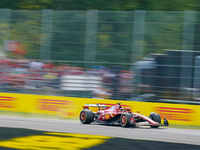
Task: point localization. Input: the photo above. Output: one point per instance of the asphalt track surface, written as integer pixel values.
(164, 134)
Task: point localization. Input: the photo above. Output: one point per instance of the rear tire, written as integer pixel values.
(155, 117)
(86, 116)
(125, 120)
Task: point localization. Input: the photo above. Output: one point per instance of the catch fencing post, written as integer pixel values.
(187, 58)
(90, 38)
(5, 18)
(188, 30)
(138, 35)
(46, 34)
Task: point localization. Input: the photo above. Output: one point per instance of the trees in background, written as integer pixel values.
(114, 5)
(114, 35)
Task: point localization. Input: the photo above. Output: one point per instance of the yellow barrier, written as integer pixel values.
(70, 107)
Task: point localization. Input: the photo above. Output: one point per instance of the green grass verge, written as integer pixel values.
(23, 114)
(184, 126)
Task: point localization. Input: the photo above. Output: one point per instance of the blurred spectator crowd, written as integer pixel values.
(45, 75)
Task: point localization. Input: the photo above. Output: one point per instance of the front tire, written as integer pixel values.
(155, 117)
(86, 116)
(125, 120)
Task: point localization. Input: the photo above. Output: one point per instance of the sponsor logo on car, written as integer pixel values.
(171, 113)
(107, 116)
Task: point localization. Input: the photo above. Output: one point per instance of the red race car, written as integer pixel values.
(117, 115)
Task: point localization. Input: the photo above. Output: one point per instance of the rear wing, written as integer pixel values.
(94, 105)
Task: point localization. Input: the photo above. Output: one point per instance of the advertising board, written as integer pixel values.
(70, 107)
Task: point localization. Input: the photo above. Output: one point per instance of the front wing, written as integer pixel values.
(152, 123)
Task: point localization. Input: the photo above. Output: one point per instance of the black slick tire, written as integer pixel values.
(155, 117)
(86, 116)
(125, 120)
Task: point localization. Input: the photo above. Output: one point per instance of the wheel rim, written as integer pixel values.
(83, 116)
(123, 120)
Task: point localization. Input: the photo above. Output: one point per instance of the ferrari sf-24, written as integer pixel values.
(117, 115)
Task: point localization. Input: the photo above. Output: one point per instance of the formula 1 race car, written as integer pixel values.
(118, 115)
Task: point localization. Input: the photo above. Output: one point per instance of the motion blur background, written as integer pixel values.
(124, 50)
